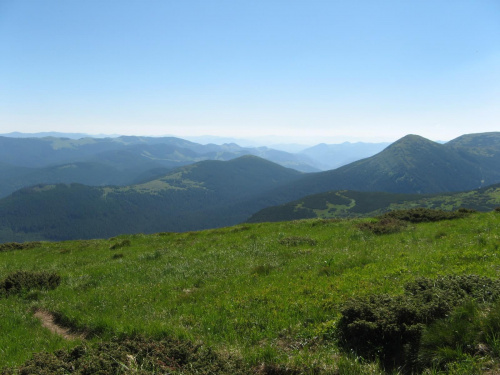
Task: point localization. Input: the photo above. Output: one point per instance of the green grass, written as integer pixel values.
(268, 293)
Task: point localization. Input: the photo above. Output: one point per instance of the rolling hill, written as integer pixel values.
(197, 196)
(114, 161)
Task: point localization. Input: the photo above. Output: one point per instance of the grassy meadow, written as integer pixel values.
(268, 295)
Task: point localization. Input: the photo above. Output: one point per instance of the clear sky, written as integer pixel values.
(331, 70)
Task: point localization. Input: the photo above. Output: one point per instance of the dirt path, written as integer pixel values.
(48, 322)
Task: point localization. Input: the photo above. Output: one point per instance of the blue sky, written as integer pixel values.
(306, 71)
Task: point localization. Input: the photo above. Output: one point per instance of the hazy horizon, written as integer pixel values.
(306, 71)
(287, 143)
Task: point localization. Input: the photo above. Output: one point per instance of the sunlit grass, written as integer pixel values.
(264, 291)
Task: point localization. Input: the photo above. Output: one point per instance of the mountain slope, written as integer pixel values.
(121, 160)
(188, 198)
(218, 193)
(348, 203)
(410, 165)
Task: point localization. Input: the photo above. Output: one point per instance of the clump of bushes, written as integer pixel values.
(18, 246)
(297, 240)
(421, 215)
(21, 281)
(383, 226)
(390, 328)
(394, 221)
(132, 355)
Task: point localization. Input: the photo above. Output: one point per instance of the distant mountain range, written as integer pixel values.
(217, 193)
(29, 159)
(114, 161)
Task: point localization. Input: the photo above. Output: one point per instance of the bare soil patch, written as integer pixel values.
(48, 321)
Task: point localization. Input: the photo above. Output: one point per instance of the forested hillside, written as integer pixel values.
(123, 160)
(192, 197)
(350, 204)
(411, 165)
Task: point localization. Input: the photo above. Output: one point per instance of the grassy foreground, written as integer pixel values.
(266, 294)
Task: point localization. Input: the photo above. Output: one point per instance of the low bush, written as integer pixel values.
(395, 221)
(382, 327)
(389, 328)
(383, 226)
(451, 291)
(18, 246)
(21, 281)
(420, 215)
(132, 355)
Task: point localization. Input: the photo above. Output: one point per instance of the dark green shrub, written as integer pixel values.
(421, 215)
(21, 281)
(450, 291)
(497, 209)
(383, 226)
(135, 355)
(394, 221)
(381, 327)
(390, 327)
(18, 246)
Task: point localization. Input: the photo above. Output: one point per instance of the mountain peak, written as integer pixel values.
(412, 142)
(413, 138)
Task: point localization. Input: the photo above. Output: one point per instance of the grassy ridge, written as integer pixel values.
(268, 293)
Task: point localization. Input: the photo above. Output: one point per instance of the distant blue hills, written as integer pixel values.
(173, 191)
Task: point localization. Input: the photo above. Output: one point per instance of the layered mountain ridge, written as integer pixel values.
(214, 193)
